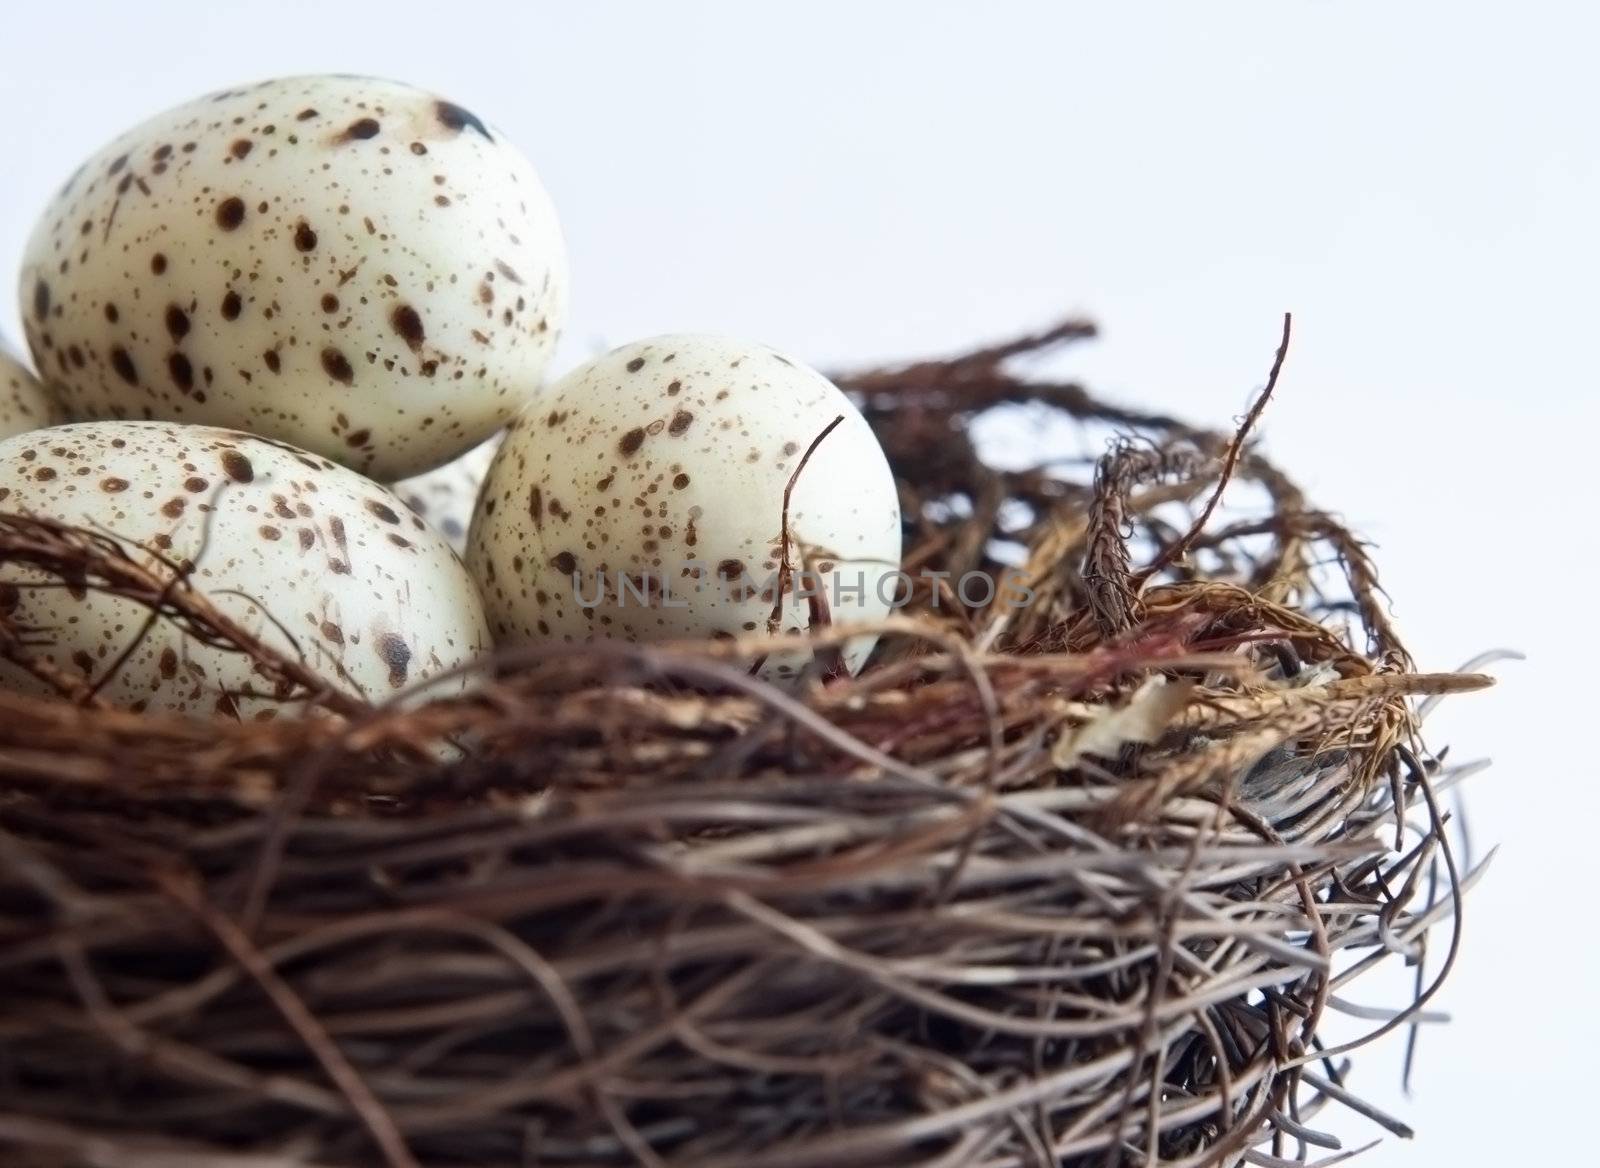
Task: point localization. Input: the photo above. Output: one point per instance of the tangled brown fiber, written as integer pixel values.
(1072, 882)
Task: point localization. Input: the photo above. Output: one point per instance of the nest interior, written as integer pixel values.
(1070, 882)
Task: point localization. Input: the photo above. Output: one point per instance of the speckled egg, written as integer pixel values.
(310, 556)
(642, 498)
(446, 495)
(25, 404)
(354, 266)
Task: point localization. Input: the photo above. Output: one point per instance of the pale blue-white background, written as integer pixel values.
(1418, 181)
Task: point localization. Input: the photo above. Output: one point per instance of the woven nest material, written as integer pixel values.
(1072, 882)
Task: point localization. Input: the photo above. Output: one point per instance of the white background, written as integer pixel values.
(1418, 182)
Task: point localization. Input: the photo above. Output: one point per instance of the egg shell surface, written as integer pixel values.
(446, 495)
(307, 555)
(360, 268)
(25, 404)
(667, 461)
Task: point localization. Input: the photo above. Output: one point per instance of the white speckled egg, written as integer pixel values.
(658, 470)
(446, 495)
(351, 265)
(24, 403)
(287, 543)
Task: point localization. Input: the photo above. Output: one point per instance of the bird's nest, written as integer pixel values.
(1077, 881)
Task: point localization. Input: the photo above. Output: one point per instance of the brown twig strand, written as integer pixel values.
(1230, 459)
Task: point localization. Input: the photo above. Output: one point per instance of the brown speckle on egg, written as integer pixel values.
(408, 323)
(337, 366)
(230, 213)
(457, 118)
(181, 371)
(123, 364)
(361, 129)
(396, 655)
(238, 467)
